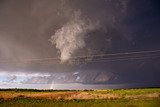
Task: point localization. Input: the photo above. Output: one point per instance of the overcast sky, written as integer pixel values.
(38, 39)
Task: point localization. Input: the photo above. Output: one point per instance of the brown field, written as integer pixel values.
(80, 98)
(82, 95)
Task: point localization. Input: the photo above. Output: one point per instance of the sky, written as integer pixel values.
(112, 43)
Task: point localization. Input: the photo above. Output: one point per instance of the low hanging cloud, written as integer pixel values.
(70, 37)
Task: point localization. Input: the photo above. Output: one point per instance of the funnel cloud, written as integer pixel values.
(71, 36)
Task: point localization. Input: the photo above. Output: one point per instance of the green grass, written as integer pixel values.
(26, 102)
(19, 98)
(129, 91)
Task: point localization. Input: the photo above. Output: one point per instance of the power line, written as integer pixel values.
(120, 58)
(124, 59)
(115, 54)
(89, 58)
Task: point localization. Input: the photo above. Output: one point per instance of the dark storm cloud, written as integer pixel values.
(27, 25)
(31, 23)
(124, 25)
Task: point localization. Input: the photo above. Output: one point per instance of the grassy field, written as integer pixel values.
(149, 97)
